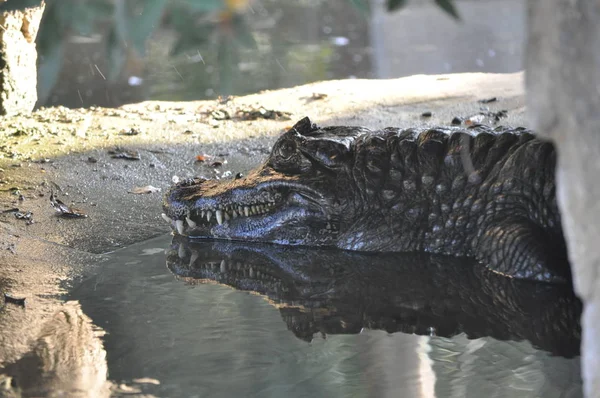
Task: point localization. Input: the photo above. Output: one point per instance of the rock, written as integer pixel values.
(18, 56)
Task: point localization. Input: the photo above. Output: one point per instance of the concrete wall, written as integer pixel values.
(563, 98)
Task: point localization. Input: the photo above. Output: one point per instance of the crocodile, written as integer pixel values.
(481, 192)
(326, 291)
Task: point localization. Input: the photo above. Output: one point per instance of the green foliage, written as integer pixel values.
(13, 5)
(129, 24)
(202, 5)
(50, 67)
(448, 6)
(115, 52)
(393, 5)
(199, 30)
(361, 5)
(136, 28)
(50, 47)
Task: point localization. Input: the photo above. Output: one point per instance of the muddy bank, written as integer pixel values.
(92, 159)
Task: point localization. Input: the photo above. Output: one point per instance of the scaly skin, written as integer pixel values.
(483, 193)
(339, 292)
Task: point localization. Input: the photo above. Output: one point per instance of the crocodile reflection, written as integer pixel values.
(335, 292)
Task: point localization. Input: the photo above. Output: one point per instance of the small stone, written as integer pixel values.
(456, 121)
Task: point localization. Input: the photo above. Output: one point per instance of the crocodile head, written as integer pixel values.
(290, 199)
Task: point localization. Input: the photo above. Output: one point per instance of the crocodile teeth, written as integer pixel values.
(225, 213)
(191, 222)
(223, 267)
(180, 227)
(166, 218)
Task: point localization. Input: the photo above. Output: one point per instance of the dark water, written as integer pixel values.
(328, 324)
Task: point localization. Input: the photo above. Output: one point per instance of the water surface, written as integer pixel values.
(327, 324)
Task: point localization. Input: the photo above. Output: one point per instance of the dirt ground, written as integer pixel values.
(80, 157)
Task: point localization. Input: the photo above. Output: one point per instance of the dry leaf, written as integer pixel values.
(143, 190)
(65, 210)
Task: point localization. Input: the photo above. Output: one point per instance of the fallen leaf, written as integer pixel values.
(13, 210)
(220, 114)
(65, 210)
(315, 97)
(23, 216)
(124, 388)
(131, 131)
(147, 380)
(144, 190)
(14, 300)
(120, 153)
(475, 119)
(224, 99)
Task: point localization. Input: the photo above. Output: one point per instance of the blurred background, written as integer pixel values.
(112, 52)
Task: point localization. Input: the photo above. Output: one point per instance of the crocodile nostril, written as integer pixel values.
(192, 181)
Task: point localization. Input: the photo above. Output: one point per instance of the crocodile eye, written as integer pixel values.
(287, 150)
(288, 158)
